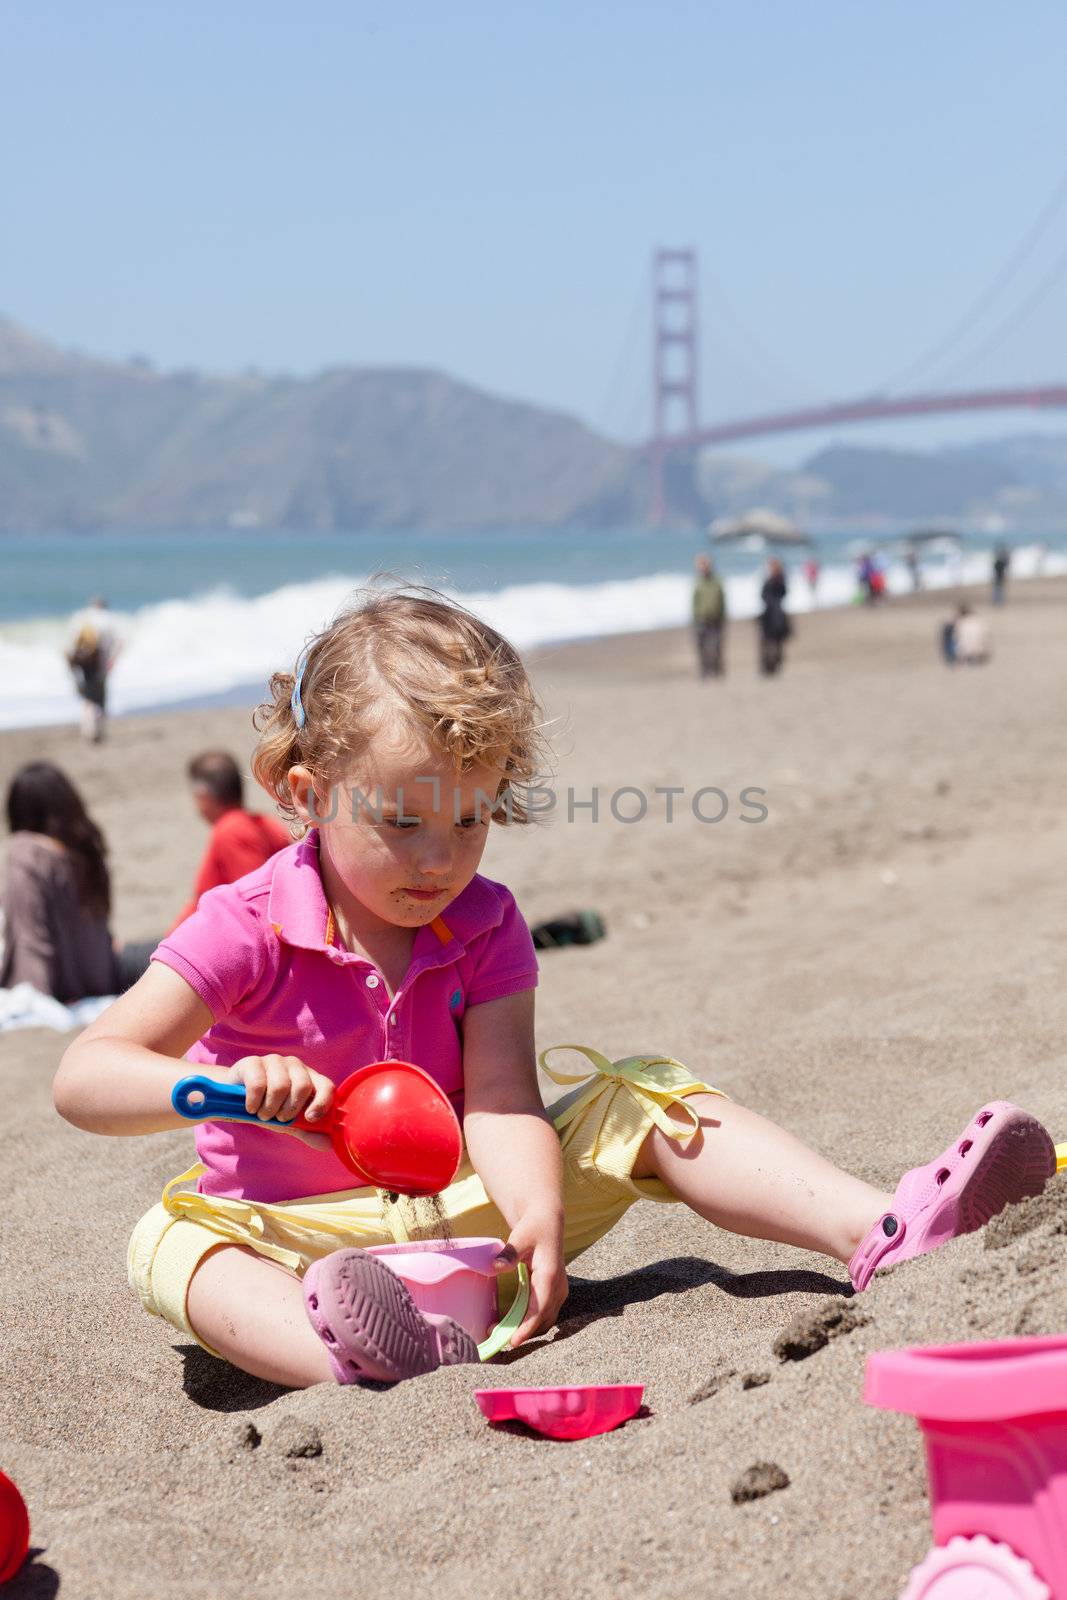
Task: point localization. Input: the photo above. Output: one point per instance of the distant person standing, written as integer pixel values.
(1001, 564)
(864, 573)
(911, 561)
(871, 579)
(93, 651)
(811, 572)
(773, 621)
(240, 840)
(709, 618)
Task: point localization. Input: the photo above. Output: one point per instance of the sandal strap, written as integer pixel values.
(886, 1236)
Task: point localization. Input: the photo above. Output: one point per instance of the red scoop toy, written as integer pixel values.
(14, 1529)
(389, 1122)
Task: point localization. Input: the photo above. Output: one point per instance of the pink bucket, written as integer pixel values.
(456, 1278)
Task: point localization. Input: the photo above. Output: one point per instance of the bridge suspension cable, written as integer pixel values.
(753, 353)
(1014, 320)
(623, 409)
(959, 331)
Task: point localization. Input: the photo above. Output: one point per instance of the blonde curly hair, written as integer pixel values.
(408, 649)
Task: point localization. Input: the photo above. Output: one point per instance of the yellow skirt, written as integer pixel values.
(602, 1119)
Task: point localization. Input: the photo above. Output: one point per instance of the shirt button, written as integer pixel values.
(373, 981)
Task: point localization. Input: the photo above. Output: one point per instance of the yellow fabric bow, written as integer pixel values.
(656, 1083)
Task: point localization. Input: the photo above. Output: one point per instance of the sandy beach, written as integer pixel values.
(868, 964)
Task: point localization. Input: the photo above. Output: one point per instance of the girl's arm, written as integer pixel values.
(514, 1147)
(117, 1076)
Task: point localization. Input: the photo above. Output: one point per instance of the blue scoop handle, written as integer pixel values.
(213, 1099)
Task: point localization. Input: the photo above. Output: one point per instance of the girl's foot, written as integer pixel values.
(371, 1326)
(1002, 1156)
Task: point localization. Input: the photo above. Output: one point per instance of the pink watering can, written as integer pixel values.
(994, 1416)
(457, 1278)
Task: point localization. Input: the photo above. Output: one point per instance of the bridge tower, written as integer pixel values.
(675, 362)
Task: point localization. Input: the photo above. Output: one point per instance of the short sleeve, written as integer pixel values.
(220, 951)
(506, 963)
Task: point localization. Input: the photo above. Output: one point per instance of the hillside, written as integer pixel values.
(1017, 483)
(105, 445)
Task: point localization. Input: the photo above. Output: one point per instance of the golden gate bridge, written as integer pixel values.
(677, 429)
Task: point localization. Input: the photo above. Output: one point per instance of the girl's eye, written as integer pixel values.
(407, 823)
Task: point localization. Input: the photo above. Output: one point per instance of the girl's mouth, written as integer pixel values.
(425, 894)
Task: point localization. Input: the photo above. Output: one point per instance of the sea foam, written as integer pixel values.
(180, 650)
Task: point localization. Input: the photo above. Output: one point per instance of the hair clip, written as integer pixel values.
(296, 705)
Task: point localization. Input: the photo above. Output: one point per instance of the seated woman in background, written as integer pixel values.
(57, 892)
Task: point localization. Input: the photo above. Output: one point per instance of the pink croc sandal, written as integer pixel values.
(1002, 1156)
(371, 1326)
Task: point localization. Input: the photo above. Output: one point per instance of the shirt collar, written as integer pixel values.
(297, 909)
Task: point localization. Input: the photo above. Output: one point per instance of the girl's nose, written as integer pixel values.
(435, 858)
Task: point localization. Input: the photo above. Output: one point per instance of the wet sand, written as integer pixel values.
(867, 965)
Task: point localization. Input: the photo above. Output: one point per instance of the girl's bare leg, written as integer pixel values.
(251, 1311)
(745, 1174)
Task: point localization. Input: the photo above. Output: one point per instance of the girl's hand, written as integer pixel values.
(281, 1088)
(537, 1239)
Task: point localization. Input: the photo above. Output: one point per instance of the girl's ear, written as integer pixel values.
(307, 802)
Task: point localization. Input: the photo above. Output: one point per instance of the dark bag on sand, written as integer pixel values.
(579, 927)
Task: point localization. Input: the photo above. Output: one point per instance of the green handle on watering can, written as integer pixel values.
(501, 1334)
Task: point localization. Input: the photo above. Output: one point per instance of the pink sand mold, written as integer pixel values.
(14, 1529)
(1002, 1156)
(994, 1417)
(576, 1412)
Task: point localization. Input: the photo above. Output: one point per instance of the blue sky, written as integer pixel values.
(478, 187)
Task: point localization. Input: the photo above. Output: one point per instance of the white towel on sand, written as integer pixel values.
(26, 1007)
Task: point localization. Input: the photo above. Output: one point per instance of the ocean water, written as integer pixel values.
(206, 615)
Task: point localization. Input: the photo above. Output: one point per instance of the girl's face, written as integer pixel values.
(403, 832)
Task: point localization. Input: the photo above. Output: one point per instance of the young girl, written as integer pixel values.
(408, 728)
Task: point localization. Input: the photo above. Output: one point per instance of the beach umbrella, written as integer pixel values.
(760, 526)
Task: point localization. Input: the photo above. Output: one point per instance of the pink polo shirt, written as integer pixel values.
(255, 953)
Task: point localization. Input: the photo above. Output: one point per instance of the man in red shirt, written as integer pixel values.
(240, 840)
